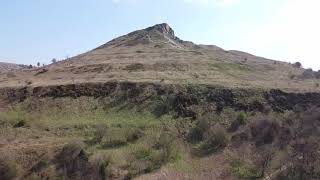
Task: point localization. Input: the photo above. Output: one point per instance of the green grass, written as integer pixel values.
(126, 118)
(244, 170)
(229, 67)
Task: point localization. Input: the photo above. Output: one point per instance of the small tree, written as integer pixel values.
(297, 65)
(54, 60)
(38, 64)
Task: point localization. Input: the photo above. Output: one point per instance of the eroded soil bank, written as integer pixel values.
(184, 100)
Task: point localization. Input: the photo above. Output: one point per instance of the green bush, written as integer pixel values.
(197, 133)
(153, 157)
(8, 169)
(242, 118)
(215, 139)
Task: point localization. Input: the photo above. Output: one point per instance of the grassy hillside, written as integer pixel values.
(156, 55)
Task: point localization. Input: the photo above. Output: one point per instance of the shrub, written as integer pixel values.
(149, 158)
(308, 74)
(297, 65)
(20, 123)
(72, 160)
(264, 131)
(8, 169)
(215, 139)
(100, 163)
(160, 108)
(133, 135)
(100, 132)
(165, 143)
(71, 151)
(241, 120)
(197, 133)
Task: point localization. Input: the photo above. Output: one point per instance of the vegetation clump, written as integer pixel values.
(216, 139)
(239, 121)
(297, 65)
(197, 133)
(8, 168)
(264, 131)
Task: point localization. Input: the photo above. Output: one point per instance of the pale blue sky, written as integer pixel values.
(39, 30)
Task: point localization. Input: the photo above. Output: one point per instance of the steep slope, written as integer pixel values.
(155, 54)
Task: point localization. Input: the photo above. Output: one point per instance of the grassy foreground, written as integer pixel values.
(88, 138)
(118, 142)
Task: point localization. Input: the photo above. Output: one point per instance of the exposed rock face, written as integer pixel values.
(154, 34)
(164, 29)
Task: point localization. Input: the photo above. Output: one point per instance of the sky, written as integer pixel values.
(34, 31)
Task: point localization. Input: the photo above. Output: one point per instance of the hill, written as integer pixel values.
(7, 67)
(155, 54)
(149, 105)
